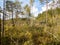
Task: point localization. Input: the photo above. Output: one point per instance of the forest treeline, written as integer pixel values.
(41, 33)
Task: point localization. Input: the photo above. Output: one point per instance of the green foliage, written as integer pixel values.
(41, 33)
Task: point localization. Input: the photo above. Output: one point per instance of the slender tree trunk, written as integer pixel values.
(12, 18)
(3, 19)
(46, 10)
(0, 27)
(52, 28)
(46, 16)
(16, 16)
(31, 19)
(17, 7)
(2, 30)
(0, 23)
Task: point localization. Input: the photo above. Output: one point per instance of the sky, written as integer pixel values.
(36, 8)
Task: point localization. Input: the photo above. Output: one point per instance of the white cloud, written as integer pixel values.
(34, 11)
(50, 5)
(44, 7)
(1, 15)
